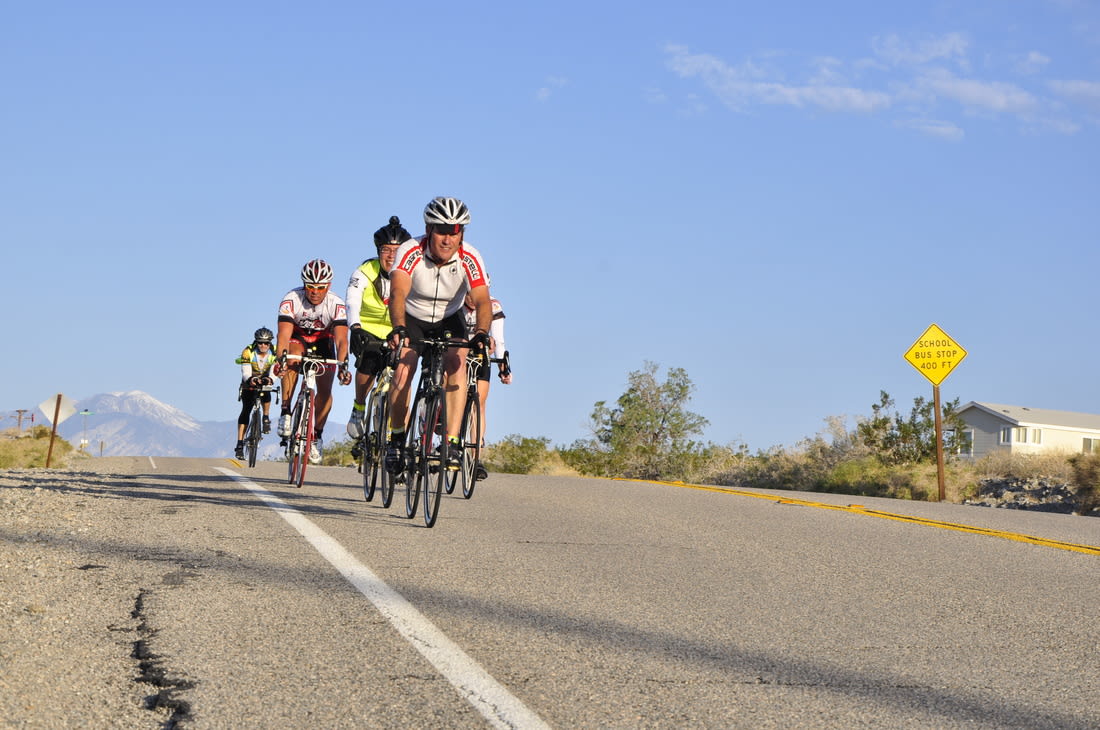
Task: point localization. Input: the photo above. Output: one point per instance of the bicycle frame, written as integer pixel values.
(300, 440)
(253, 434)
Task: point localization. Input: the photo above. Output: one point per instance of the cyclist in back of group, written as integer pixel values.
(256, 362)
(369, 316)
(312, 319)
(428, 284)
(498, 350)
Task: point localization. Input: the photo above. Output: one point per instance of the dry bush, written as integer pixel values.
(28, 449)
(1003, 464)
(1086, 477)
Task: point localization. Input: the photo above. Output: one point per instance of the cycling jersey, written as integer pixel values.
(496, 329)
(312, 323)
(254, 363)
(368, 297)
(437, 290)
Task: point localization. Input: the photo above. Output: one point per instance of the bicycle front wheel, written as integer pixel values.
(471, 444)
(379, 422)
(252, 438)
(433, 469)
(413, 457)
(293, 447)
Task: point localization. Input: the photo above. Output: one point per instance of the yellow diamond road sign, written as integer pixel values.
(935, 354)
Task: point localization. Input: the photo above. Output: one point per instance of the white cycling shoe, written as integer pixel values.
(284, 425)
(315, 451)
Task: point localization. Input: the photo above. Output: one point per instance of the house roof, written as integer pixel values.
(1024, 416)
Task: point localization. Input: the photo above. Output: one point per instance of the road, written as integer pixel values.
(574, 602)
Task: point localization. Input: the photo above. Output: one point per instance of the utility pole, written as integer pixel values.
(19, 416)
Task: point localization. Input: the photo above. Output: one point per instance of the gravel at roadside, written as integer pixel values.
(68, 619)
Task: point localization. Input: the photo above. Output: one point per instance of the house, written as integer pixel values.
(1022, 430)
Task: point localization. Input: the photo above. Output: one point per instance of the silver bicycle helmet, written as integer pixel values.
(446, 212)
(263, 335)
(316, 273)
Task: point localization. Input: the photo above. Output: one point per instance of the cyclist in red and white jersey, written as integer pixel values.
(428, 284)
(312, 318)
(498, 349)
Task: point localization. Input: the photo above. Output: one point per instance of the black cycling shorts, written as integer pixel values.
(453, 327)
(372, 359)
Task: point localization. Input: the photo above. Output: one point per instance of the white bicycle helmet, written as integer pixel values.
(316, 273)
(446, 212)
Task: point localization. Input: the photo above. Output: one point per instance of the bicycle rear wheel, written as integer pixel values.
(471, 444)
(252, 437)
(434, 446)
(413, 457)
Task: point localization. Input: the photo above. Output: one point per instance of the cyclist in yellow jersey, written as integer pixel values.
(256, 361)
(368, 300)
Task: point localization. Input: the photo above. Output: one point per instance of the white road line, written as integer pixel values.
(499, 706)
(152, 463)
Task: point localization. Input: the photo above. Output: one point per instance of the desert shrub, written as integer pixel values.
(28, 449)
(1086, 477)
(1004, 464)
(338, 453)
(515, 454)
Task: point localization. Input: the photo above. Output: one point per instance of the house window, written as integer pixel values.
(1020, 435)
(1091, 446)
(965, 445)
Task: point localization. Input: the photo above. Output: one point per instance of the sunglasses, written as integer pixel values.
(450, 229)
(316, 287)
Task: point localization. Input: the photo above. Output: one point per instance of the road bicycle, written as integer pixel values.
(470, 430)
(426, 446)
(254, 431)
(300, 440)
(372, 442)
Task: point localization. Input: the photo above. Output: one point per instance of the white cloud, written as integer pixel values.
(935, 128)
(899, 52)
(994, 96)
(1086, 93)
(552, 84)
(1032, 63)
(739, 86)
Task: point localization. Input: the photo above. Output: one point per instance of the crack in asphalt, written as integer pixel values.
(152, 672)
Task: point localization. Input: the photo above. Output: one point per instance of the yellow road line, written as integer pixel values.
(860, 509)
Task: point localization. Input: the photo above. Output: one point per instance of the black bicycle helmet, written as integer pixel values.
(263, 335)
(392, 234)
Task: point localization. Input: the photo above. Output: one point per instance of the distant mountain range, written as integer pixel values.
(137, 424)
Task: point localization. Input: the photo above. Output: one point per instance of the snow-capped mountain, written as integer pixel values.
(137, 424)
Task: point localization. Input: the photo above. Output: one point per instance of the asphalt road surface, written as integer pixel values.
(574, 602)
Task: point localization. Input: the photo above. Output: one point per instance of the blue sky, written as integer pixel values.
(778, 197)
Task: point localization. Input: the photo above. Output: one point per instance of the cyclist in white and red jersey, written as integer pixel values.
(428, 284)
(497, 349)
(312, 318)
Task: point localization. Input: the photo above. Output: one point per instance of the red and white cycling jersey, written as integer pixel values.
(312, 322)
(496, 328)
(438, 289)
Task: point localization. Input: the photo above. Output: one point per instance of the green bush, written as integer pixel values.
(516, 454)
